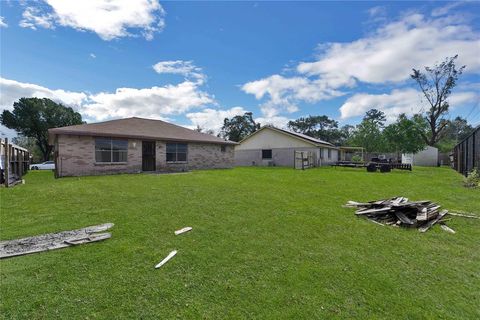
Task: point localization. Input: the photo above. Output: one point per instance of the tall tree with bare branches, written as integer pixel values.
(436, 84)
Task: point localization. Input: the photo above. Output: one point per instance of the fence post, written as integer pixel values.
(6, 163)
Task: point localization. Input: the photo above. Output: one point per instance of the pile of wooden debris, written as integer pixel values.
(399, 211)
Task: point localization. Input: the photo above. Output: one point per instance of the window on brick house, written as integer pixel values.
(110, 150)
(177, 152)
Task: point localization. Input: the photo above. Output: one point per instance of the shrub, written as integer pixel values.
(472, 180)
(357, 158)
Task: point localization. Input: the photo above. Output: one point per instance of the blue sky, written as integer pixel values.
(194, 63)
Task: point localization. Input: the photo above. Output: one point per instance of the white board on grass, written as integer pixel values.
(170, 256)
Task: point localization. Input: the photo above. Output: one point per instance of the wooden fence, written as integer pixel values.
(14, 161)
(466, 154)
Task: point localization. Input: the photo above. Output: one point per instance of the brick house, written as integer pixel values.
(135, 145)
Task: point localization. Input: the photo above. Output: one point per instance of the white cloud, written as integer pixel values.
(385, 57)
(154, 102)
(284, 93)
(408, 101)
(3, 24)
(108, 19)
(213, 119)
(376, 11)
(277, 121)
(13, 90)
(391, 53)
(440, 11)
(377, 14)
(181, 67)
(92, 55)
(33, 17)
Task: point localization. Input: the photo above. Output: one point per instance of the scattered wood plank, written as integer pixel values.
(183, 230)
(376, 222)
(170, 256)
(91, 238)
(430, 223)
(403, 218)
(373, 211)
(447, 228)
(53, 241)
(463, 215)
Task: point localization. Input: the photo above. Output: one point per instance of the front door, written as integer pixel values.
(148, 155)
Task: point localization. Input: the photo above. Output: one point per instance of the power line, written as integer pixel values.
(473, 108)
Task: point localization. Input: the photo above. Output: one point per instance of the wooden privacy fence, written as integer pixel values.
(14, 161)
(304, 160)
(466, 154)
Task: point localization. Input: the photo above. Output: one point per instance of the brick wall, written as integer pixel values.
(76, 157)
(199, 156)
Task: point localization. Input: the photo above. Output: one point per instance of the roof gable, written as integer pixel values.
(294, 135)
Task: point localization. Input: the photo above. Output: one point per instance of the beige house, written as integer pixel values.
(136, 145)
(272, 146)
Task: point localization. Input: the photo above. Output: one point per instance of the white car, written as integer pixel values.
(47, 165)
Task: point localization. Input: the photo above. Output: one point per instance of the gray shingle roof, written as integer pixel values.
(301, 136)
(304, 136)
(138, 128)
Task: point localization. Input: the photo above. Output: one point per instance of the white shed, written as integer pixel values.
(428, 157)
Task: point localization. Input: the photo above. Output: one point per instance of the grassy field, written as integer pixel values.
(267, 243)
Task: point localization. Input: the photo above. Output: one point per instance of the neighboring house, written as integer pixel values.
(135, 145)
(428, 157)
(466, 154)
(270, 146)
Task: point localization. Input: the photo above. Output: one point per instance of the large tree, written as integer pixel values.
(436, 84)
(369, 136)
(404, 136)
(32, 117)
(346, 134)
(377, 117)
(455, 131)
(239, 127)
(320, 127)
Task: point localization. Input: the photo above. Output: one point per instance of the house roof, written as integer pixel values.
(137, 128)
(303, 137)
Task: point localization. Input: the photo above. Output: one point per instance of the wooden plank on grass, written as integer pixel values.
(183, 230)
(170, 256)
(373, 211)
(52, 241)
(430, 223)
(463, 215)
(447, 228)
(402, 217)
(91, 238)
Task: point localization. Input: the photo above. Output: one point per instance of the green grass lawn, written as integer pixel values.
(266, 243)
